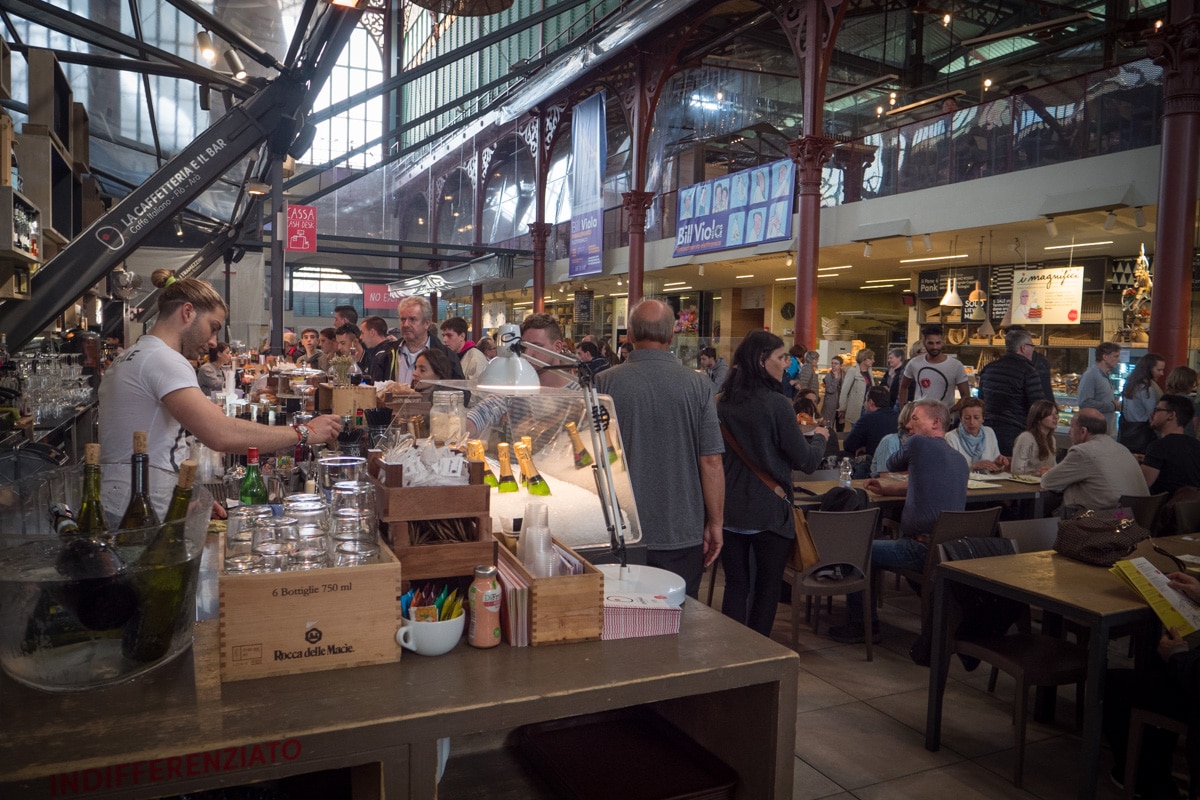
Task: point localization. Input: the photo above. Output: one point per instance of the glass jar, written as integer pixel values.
(447, 417)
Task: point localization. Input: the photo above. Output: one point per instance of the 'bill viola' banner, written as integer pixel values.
(747, 207)
(589, 153)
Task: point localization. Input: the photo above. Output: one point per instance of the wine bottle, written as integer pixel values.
(140, 511)
(475, 453)
(253, 490)
(507, 482)
(527, 441)
(94, 594)
(582, 457)
(91, 519)
(534, 482)
(612, 450)
(165, 579)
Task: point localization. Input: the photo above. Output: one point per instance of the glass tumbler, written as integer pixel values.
(335, 469)
(351, 525)
(239, 528)
(354, 553)
(274, 539)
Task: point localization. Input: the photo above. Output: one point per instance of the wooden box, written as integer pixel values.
(566, 608)
(345, 400)
(281, 623)
(398, 507)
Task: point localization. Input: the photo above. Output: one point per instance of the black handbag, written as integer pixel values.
(1099, 540)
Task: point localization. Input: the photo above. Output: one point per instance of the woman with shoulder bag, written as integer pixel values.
(763, 444)
(1138, 399)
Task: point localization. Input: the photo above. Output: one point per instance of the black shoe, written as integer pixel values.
(854, 634)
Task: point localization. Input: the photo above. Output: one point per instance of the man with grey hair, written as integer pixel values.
(937, 482)
(1008, 387)
(1097, 470)
(673, 447)
(416, 320)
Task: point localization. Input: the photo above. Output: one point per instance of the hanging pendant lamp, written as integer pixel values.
(951, 297)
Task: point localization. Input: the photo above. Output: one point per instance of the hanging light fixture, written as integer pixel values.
(908, 245)
(1139, 217)
(928, 242)
(235, 64)
(204, 46)
(867, 250)
(789, 261)
(1051, 227)
(1110, 220)
(951, 297)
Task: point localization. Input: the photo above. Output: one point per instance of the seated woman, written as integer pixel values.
(975, 442)
(891, 443)
(1034, 449)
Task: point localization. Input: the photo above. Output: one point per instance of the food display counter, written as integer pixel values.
(179, 729)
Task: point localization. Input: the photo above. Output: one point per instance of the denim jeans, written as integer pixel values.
(903, 553)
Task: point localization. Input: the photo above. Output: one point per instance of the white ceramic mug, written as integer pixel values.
(430, 638)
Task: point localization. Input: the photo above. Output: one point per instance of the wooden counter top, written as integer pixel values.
(714, 670)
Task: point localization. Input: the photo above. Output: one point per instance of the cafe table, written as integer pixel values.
(1087, 595)
(997, 491)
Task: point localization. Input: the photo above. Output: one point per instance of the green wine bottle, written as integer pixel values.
(582, 457)
(91, 519)
(165, 580)
(534, 482)
(254, 490)
(475, 453)
(507, 482)
(139, 513)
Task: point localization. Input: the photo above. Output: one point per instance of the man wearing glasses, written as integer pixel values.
(1008, 387)
(1173, 459)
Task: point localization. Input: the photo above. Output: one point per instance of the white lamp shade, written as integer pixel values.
(951, 298)
(508, 370)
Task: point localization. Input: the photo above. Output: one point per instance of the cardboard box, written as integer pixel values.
(566, 608)
(281, 623)
(399, 507)
(345, 400)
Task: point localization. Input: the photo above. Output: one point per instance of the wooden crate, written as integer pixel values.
(398, 507)
(282, 623)
(345, 400)
(567, 608)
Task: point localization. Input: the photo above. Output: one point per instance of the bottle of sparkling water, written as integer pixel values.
(253, 490)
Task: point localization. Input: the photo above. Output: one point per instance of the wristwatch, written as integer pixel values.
(303, 431)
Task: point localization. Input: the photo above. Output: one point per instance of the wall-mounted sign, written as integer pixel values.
(589, 149)
(302, 229)
(748, 207)
(583, 305)
(1051, 296)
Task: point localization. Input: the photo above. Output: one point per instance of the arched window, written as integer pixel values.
(508, 195)
(315, 291)
(360, 66)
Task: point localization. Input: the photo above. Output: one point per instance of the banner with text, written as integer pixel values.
(302, 229)
(376, 296)
(589, 154)
(744, 208)
(1050, 296)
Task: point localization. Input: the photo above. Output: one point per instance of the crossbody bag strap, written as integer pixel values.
(779, 491)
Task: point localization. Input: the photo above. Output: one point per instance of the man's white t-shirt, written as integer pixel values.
(936, 381)
(131, 396)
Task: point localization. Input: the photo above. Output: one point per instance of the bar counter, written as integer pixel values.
(180, 729)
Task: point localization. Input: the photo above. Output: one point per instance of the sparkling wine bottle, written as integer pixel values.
(475, 453)
(95, 595)
(91, 519)
(582, 457)
(253, 490)
(165, 580)
(139, 513)
(534, 482)
(507, 482)
(612, 449)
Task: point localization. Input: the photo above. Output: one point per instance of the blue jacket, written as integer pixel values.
(870, 429)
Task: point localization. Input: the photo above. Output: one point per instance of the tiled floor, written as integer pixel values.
(860, 727)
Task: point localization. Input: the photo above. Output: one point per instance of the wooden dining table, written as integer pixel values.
(1063, 588)
(1032, 494)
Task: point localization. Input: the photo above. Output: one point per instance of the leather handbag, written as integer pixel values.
(805, 554)
(1097, 539)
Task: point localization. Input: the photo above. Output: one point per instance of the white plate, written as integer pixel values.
(981, 485)
(990, 476)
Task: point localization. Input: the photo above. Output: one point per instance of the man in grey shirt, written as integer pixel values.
(1096, 390)
(672, 442)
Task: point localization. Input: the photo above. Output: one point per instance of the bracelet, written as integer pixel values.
(302, 432)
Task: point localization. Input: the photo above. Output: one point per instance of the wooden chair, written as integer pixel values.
(1032, 660)
(951, 525)
(1138, 721)
(1031, 535)
(1187, 517)
(1145, 509)
(841, 537)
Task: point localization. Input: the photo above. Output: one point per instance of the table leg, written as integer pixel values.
(939, 662)
(1045, 698)
(1093, 710)
(1039, 505)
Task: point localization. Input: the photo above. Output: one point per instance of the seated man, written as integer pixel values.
(878, 421)
(1173, 459)
(974, 441)
(937, 482)
(1096, 470)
